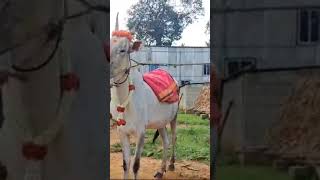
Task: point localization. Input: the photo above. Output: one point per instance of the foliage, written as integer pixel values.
(207, 31)
(160, 23)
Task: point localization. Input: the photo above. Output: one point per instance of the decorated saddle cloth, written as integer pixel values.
(163, 85)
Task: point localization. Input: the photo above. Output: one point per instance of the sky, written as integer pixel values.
(188, 35)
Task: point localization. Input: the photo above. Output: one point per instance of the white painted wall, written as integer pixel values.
(190, 94)
(258, 98)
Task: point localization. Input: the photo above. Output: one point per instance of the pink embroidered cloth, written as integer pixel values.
(163, 85)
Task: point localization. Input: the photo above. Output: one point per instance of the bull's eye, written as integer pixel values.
(122, 50)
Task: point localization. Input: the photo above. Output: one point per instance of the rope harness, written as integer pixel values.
(54, 30)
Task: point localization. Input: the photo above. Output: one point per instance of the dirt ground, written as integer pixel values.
(149, 166)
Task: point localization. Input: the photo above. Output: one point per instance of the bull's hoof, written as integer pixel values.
(171, 167)
(158, 175)
(3, 172)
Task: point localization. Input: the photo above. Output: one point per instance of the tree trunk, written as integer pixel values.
(158, 42)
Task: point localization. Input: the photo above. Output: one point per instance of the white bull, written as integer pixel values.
(142, 109)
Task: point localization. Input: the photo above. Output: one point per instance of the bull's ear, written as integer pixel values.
(136, 46)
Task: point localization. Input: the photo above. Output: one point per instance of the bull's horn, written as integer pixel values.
(117, 23)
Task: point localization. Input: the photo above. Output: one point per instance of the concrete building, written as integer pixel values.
(278, 41)
(257, 99)
(177, 55)
(268, 34)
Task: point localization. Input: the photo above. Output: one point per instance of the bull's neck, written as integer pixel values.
(122, 91)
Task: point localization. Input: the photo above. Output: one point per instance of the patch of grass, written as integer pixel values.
(190, 119)
(250, 173)
(192, 142)
(115, 148)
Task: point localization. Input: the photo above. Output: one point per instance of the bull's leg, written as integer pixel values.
(137, 156)
(173, 125)
(165, 143)
(125, 143)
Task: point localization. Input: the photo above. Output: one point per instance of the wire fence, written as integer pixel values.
(174, 64)
(182, 82)
(188, 65)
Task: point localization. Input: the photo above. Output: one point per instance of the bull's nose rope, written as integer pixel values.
(34, 148)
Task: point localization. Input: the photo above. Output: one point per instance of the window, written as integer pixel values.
(183, 82)
(153, 67)
(206, 69)
(235, 65)
(245, 64)
(308, 29)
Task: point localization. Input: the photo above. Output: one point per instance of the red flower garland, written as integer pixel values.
(121, 122)
(122, 33)
(131, 87)
(70, 81)
(32, 151)
(121, 109)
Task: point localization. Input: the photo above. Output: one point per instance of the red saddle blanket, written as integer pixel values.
(163, 85)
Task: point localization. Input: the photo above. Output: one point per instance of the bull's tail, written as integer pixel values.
(155, 136)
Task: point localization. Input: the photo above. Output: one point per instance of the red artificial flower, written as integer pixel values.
(120, 109)
(121, 122)
(131, 87)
